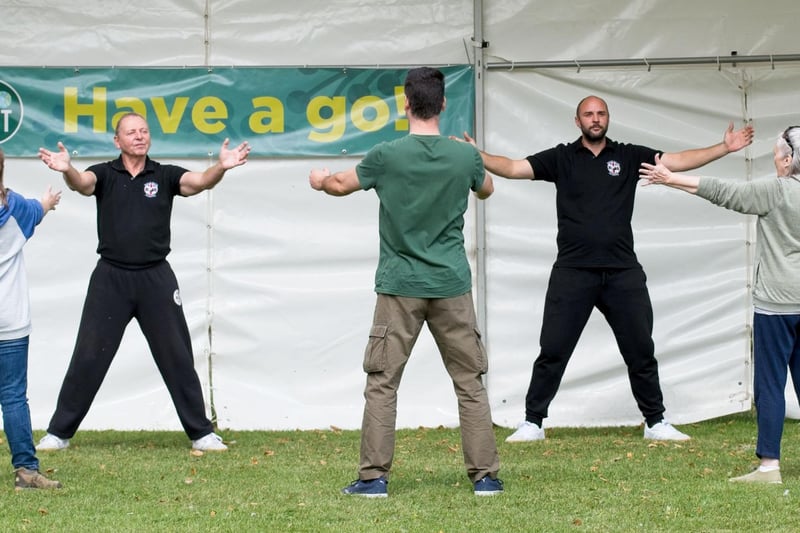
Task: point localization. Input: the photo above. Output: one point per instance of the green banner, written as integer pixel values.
(280, 111)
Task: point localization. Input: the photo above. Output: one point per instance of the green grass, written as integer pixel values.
(599, 479)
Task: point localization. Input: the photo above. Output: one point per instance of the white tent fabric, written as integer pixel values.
(277, 279)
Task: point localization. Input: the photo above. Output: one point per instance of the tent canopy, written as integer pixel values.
(277, 279)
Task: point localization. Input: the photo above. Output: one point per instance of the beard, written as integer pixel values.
(594, 136)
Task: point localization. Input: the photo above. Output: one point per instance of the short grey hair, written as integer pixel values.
(789, 144)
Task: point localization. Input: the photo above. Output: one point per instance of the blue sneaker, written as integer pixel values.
(486, 486)
(372, 488)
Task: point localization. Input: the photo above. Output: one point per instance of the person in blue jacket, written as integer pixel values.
(18, 218)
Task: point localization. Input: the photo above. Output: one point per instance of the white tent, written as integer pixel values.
(277, 279)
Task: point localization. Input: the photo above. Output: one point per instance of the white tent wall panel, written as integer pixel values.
(340, 32)
(283, 276)
(238, 32)
(541, 30)
(293, 308)
(101, 32)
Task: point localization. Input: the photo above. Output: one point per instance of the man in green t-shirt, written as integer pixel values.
(423, 182)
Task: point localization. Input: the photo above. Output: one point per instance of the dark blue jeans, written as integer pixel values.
(14, 401)
(776, 352)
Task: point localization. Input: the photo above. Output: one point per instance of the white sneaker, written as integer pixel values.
(664, 431)
(210, 443)
(50, 443)
(759, 476)
(526, 432)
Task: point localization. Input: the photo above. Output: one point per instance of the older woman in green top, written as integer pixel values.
(776, 291)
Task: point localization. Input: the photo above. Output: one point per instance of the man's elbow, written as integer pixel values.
(336, 192)
(81, 188)
(486, 190)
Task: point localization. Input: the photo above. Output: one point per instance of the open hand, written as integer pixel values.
(233, 158)
(59, 161)
(655, 174)
(736, 140)
(466, 138)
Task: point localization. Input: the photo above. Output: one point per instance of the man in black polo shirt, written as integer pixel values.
(596, 180)
(133, 278)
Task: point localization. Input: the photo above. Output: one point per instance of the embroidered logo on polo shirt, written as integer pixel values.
(613, 168)
(151, 189)
(176, 296)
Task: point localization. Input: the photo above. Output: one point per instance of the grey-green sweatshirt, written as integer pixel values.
(776, 201)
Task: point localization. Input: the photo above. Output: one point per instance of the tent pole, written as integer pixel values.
(480, 212)
(647, 62)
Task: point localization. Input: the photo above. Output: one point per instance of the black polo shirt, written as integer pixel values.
(134, 212)
(594, 201)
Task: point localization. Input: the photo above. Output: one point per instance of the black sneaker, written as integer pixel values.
(486, 486)
(33, 479)
(371, 488)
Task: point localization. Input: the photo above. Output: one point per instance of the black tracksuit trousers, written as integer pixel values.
(114, 297)
(622, 296)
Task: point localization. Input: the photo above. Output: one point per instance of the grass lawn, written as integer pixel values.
(579, 479)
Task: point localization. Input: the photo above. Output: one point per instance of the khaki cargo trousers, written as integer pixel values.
(396, 326)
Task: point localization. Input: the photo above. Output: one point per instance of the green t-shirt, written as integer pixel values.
(423, 183)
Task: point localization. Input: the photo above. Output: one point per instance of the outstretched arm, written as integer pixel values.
(732, 141)
(338, 184)
(502, 165)
(660, 174)
(195, 182)
(83, 182)
(50, 200)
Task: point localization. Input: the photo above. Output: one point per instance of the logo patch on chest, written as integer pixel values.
(613, 168)
(151, 189)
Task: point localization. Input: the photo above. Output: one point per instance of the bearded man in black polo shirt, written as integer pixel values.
(596, 266)
(133, 278)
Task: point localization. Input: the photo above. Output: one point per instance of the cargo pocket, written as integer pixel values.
(483, 359)
(375, 354)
